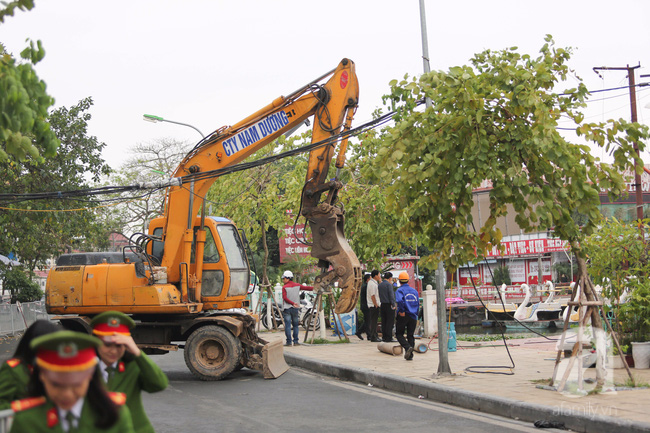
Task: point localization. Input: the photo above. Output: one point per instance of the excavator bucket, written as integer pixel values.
(330, 246)
(273, 361)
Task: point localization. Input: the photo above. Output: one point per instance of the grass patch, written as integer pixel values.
(629, 383)
(541, 381)
(326, 341)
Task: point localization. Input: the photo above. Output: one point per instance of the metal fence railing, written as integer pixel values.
(17, 317)
(6, 416)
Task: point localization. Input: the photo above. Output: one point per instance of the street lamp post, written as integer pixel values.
(443, 357)
(156, 119)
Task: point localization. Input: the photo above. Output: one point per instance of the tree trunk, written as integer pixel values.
(265, 277)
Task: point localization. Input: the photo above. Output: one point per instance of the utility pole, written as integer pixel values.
(632, 85)
(441, 304)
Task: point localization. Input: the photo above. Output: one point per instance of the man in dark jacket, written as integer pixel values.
(372, 299)
(363, 306)
(387, 308)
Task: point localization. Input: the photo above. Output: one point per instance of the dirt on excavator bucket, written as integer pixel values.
(274, 364)
(332, 248)
(348, 300)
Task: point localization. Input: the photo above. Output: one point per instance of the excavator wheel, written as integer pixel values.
(212, 352)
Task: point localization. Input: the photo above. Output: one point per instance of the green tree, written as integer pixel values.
(496, 120)
(19, 284)
(10, 7)
(501, 276)
(37, 230)
(24, 131)
(564, 271)
(372, 229)
(619, 261)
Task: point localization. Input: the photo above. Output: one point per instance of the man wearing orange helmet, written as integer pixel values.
(408, 306)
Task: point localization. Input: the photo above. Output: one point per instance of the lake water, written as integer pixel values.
(479, 330)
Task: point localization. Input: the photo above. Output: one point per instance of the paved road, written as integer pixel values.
(298, 401)
(301, 401)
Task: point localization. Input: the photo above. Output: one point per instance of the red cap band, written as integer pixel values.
(67, 359)
(104, 329)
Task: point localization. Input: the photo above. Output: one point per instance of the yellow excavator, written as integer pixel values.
(184, 281)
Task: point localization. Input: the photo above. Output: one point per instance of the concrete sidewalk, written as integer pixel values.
(517, 395)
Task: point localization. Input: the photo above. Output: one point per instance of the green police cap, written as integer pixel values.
(112, 322)
(66, 351)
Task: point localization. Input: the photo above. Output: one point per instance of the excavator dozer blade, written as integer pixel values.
(274, 364)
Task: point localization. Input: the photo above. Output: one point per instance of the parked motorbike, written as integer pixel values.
(277, 313)
(307, 309)
(306, 312)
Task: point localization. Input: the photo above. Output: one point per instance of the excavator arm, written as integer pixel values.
(332, 104)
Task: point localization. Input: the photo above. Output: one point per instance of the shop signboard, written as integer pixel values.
(529, 246)
(290, 244)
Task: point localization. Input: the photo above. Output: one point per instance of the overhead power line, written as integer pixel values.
(13, 198)
(78, 195)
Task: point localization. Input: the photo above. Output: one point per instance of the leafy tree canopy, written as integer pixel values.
(17, 281)
(372, 230)
(37, 230)
(496, 120)
(619, 261)
(10, 7)
(24, 130)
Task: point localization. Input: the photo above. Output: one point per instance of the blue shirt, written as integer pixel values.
(408, 301)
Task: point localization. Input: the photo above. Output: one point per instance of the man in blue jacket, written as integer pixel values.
(408, 305)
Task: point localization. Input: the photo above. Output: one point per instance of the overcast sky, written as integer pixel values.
(211, 63)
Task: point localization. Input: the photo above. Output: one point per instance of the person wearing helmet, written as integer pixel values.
(408, 306)
(291, 307)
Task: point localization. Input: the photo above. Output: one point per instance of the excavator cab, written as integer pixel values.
(225, 273)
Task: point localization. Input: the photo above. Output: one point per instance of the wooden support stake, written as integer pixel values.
(558, 359)
(589, 299)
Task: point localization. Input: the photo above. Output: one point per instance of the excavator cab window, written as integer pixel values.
(236, 256)
(210, 252)
(158, 247)
(212, 279)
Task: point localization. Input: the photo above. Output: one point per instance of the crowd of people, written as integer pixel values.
(399, 308)
(65, 381)
(379, 298)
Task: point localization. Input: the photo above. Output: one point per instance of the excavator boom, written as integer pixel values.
(332, 104)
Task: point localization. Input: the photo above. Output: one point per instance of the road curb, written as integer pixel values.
(579, 422)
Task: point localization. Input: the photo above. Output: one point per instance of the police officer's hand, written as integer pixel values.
(401, 314)
(128, 343)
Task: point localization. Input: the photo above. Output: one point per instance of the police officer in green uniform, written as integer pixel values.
(67, 390)
(15, 372)
(125, 368)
